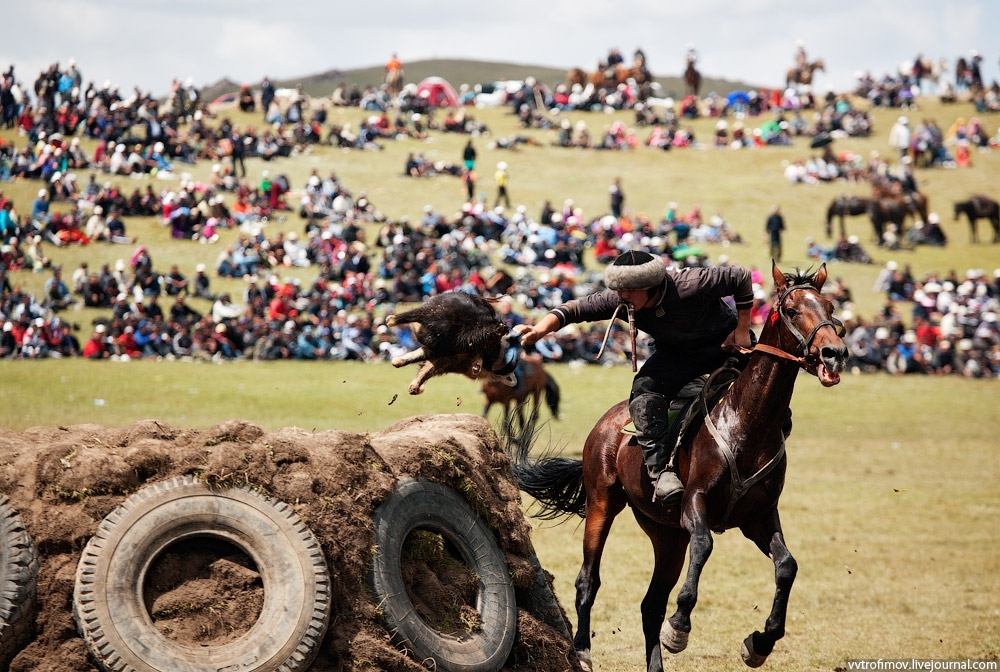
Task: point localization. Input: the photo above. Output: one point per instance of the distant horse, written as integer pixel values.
(845, 205)
(884, 211)
(980, 207)
(394, 81)
(577, 76)
(532, 382)
(913, 202)
(692, 80)
(804, 75)
(732, 464)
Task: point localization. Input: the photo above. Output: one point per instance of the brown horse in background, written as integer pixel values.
(980, 207)
(803, 75)
(532, 382)
(843, 206)
(692, 80)
(913, 203)
(732, 465)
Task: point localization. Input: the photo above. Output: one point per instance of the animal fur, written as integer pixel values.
(458, 333)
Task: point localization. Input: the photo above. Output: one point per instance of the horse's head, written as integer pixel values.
(806, 326)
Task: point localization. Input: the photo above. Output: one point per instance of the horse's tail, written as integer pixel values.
(552, 396)
(556, 483)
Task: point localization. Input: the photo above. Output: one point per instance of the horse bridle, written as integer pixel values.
(804, 342)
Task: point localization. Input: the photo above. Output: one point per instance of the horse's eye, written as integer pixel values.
(791, 313)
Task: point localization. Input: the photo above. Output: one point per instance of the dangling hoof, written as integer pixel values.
(584, 658)
(672, 640)
(751, 657)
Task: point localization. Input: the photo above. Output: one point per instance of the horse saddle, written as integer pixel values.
(686, 410)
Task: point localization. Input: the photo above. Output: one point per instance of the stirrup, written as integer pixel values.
(667, 487)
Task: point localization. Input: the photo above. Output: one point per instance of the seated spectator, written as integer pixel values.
(57, 294)
(174, 282)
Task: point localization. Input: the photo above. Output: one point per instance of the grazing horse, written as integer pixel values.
(692, 80)
(532, 382)
(803, 75)
(394, 82)
(980, 207)
(732, 465)
(842, 206)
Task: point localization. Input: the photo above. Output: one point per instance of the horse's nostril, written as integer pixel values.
(833, 353)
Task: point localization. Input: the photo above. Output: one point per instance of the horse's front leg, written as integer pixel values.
(694, 519)
(766, 533)
(668, 560)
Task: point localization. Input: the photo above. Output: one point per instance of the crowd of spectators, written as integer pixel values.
(339, 313)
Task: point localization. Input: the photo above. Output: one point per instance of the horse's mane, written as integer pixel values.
(800, 277)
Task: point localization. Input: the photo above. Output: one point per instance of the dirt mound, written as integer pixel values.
(65, 480)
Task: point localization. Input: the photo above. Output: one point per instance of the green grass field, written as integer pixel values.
(891, 505)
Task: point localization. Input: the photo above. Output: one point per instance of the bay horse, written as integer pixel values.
(980, 207)
(883, 211)
(532, 382)
(845, 206)
(577, 76)
(803, 75)
(692, 80)
(912, 203)
(742, 435)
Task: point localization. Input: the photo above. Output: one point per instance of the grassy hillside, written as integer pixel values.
(459, 72)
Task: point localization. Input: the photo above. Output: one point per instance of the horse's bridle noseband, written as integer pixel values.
(804, 342)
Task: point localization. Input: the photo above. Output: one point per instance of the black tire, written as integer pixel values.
(416, 504)
(18, 583)
(108, 602)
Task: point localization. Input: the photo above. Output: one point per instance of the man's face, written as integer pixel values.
(638, 298)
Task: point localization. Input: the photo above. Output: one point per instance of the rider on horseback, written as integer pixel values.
(686, 312)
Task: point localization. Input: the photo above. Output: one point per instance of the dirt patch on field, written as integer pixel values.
(65, 480)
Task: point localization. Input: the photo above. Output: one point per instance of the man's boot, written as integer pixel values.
(649, 415)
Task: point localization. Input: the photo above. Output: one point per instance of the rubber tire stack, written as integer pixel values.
(108, 604)
(416, 504)
(18, 583)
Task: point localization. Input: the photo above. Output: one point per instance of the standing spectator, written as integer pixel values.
(469, 155)
(899, 135)
(501, 178)
(617, 198)
(775, 225)
(266, 94)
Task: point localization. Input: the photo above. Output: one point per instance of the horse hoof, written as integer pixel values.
(584, 659)
(672, 640)
(751, 657)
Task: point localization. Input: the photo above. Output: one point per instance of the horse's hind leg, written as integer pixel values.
(601, 512)
(668, 555)
(674, 635)
(766, 533)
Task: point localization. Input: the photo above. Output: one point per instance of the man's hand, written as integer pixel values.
(740, 338)
(528, 335)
